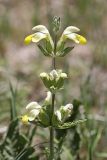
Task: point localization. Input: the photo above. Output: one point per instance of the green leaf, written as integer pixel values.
(46, 82)
(12, 100)
(60, 83)
(12, 127)
(70, 124)
(48, 47)
(75, 142)
(94, 139)
(60, 47)
(26, 154)
(66, 154)
(60, 138)
(31, 134)
(22, 140)
(43, 50)
(66, 51)
(44, 118)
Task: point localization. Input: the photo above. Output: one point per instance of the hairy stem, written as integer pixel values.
(52, 109)
(53, 63)
(52, 131)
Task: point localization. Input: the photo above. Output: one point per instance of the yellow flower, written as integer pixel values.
(25, 119)
(33, 110)
(41, 32)
(76, 38)
(70, 33)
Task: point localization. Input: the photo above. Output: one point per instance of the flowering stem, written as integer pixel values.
(52, 109)
(53, 63)
(52, 131)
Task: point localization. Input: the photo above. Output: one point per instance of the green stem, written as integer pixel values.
(52, 131)
(53, 63)
(52, 108)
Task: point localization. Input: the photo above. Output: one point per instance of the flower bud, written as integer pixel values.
(68, 107)
(53, 74)
(45, 78)
(66, 111)
(54, 80)
(57, 118)
(63, 75)
(44, 75)
(48, 99)
(58, 115)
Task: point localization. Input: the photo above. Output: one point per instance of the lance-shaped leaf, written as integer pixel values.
(65, 51)
(43, 50)
(44, 118)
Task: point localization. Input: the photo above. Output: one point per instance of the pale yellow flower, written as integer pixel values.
(41, 32)
(71, 34)
(33, 110)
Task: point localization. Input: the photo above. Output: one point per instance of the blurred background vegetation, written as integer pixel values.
(86, 66)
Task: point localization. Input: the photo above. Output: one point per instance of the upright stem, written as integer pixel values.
(52, 131)
(52, 109)
(53, 63)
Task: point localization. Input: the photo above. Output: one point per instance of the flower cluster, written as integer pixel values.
(54, 80)
(42, 33)
(40, 114)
